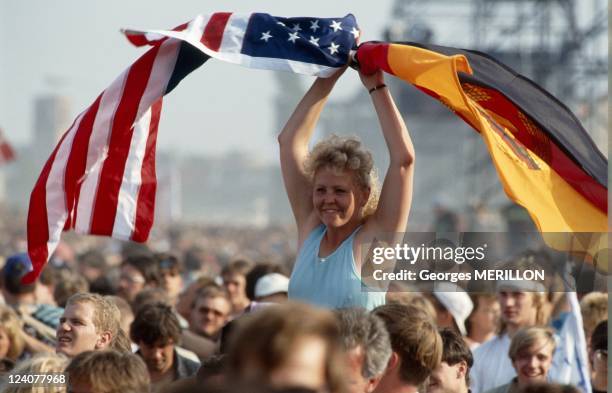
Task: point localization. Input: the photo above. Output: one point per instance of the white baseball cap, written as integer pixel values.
(456, 301)
(270, 284)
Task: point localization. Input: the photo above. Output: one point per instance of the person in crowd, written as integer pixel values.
(125, 312)
(15, 343)
(193, 342)
(157, 332)
(272, 288)
(291, 345)
(12, 336)
(416, 348)
(599, 358)
(522, 305)
(187, 297)
(210, 313)
(170, 270)
(90, 322)
(136, 273)
(69, 284)
(531, 353)
(453, 306)
(594, 310)
(333, 196)
(410, 298)
(453, 373)
(149, 296)
(234, 280)
(258, 271)
(45, 287)
(39, 364)
(91, 265)
(483, 322)
(23, 297)
(107, 371)
(366, 342)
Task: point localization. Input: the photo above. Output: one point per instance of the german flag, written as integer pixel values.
(546, 161)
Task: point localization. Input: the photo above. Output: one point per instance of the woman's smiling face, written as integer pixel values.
(336, 196)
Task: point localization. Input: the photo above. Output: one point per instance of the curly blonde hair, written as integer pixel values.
(346, 154)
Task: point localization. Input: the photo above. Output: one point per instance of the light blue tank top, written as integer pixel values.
(333, 281)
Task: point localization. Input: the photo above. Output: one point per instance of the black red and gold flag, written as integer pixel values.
(545, 159)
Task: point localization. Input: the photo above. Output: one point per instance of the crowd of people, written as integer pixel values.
(158, 330)
(194, 318)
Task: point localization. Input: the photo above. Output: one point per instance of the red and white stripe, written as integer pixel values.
(7, 154)
(100, 179)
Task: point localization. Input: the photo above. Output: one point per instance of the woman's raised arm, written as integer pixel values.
(396, 194)
(293, 143)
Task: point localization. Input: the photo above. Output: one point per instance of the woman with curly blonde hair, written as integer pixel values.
(332, 193)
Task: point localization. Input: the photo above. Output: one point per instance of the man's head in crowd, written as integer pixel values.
(136, 273)
(234, 280)
(156, 331)
(366, 342)
(416, 345)
(483, 321)
(211, 311)
(594, 309)
(170, 270)
(125, 312)
(453, 305)
(522, 302)
(107, 372)
(259, 270)
(187, 298)
(285, 346)
(92, 264)
(452, 375)
(69, 284)
(13, 291)
(272, 288)
(90, 322)
(531, 351)
(150, 296)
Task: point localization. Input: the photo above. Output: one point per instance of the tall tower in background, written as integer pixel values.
(51, 120)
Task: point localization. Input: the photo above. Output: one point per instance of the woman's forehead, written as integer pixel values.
(332, 174)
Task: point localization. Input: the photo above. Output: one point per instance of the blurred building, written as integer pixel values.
(51, 118)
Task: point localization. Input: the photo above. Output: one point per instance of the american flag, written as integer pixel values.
(7, 154)
(100, 179)
(312, 46)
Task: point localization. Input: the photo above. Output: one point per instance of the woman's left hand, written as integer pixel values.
(372, 80)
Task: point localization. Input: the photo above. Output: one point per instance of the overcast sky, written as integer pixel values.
(74, 47)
